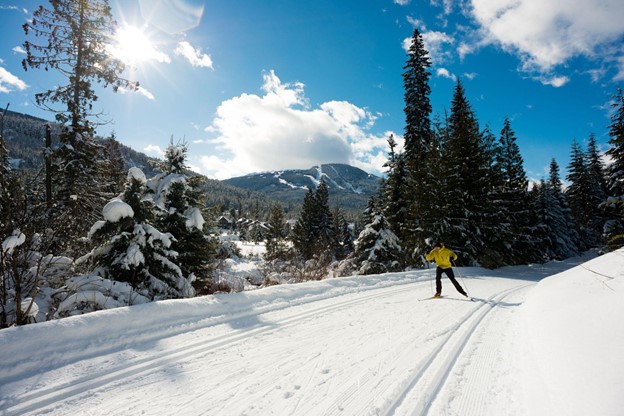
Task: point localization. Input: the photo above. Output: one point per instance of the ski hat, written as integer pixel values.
(438, 244)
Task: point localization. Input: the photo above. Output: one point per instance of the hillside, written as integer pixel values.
(349, 187)
(24, 137)
(364, 345)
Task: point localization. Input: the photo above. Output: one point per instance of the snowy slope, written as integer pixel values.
(346, 346)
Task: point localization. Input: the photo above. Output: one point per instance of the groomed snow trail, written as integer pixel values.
(374, 351)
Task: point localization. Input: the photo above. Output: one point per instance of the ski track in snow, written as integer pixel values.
(343, 355)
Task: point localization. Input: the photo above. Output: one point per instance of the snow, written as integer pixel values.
(113, 211)
(365, 345)
(10, 243)
(137, 174)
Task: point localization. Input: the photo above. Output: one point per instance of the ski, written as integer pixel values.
(432, 297)
(467, 299)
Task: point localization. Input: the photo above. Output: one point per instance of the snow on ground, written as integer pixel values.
(346, 346)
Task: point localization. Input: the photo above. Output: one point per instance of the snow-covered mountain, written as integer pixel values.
(349, 187)
(538, 340)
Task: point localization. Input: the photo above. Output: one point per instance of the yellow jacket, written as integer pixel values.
(442, 257)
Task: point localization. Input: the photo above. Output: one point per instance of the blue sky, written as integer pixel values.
(276, 84)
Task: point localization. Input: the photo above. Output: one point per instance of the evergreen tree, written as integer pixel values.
(131, 249)
(614, 228)
(419, 147)
(304, 230)
(75, 36)
(377, 248)
(324, 221)
(394, 190)
(510, 192)
(584, 196)
(343, 242)
(562, 230)
(466, 173)
(178, 196)
(276, 234)
(597, 191)
(313, 232)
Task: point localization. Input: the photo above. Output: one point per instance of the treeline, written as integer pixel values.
(466, 186)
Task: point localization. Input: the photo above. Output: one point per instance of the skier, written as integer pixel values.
(442, 256)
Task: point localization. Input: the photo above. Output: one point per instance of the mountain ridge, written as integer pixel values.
(349, 187)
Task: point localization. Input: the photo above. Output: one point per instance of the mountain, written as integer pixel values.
(349, 187)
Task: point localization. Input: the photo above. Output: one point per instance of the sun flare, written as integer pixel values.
(134, 47)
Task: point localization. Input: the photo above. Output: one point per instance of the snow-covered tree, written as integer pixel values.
(177, 195)
(377, 248)
(585, 195)
(510, 237)
(131, 249)
(560, 238)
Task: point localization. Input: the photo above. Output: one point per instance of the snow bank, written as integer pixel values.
(575, 335)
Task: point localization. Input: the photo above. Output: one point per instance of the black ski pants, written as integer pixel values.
(451, 275)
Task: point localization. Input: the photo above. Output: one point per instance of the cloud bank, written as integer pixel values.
(279, 130)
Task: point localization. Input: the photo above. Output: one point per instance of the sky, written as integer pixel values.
(255, 86)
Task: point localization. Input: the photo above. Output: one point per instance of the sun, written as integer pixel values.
(133, 47)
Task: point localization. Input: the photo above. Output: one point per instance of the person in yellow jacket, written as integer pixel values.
(442, 257)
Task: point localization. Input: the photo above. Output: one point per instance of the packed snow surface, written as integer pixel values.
(371, 345)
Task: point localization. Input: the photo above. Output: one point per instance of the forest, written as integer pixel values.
(85, 232)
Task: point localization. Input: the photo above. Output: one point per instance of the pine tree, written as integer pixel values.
(313, 232)
(304, 231)
(276, 236)
(513, 232)
(584, 196)
(131, 249)
(394, 190)
(467, 174)
(419, 147)
(343, 242)
(563, 233)
(614, 227)
(377, 248)
(75, 36)
(178, 196)
(324, 221)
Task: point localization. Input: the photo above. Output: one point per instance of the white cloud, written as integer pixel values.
(154, 150)
(18, 49)
(554, 80)
(193, 55)
(9, 82)
(546, 34)
(444, 73)
(145, 93)
(401, 2)
(142, 91)
(278, 130)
